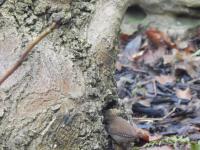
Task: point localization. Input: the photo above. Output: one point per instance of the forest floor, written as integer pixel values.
(158, 81)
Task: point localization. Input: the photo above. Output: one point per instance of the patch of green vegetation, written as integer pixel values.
(195, 145)
(172, 140)
(197, 53)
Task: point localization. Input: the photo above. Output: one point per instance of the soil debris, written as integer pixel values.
(166, 94)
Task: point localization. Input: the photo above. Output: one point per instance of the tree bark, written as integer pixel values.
(55, 98)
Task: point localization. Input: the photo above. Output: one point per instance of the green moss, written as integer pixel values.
(172, 140)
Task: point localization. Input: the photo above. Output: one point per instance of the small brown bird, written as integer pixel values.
(121, 131)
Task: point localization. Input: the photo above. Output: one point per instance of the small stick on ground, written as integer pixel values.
(27, 51)
(144, 82)
(154, 87)
(194, 80)
(157, 119)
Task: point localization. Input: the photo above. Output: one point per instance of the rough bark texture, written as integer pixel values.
(54, 100)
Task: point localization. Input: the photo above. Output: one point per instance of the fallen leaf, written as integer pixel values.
(158, 38)
(151, 57)
(124, 37)
(186, 46)
(183, 61)
(133, 46)
(155, 137)
(189, 49)
(181, 44)
(184, 94)
(143, 134)
(163, 79)
(185, 67)
(189, 64)
(176, 56)
(170, 58)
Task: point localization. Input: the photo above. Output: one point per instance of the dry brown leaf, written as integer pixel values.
(185, 67)
(189, 64)
(159, 38)
(155, 137)
(186, 46)
(184, 94)
(143, 134)
(151, 57)
(181, 56)
(124, 37)
(189, 49)
(163, 79)
(133, 46)
(170, 58)
(182, 60)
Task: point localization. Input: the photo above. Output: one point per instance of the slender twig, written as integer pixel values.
(27, 51)
(154, 87)
(194, 80)
(144, 82)
(134, 69)
(157, 119)
(171, 112)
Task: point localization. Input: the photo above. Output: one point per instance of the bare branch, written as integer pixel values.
(27, 51)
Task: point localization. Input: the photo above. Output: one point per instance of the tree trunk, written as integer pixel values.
(54, 100)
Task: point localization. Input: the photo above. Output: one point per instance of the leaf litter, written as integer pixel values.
(163, 77)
